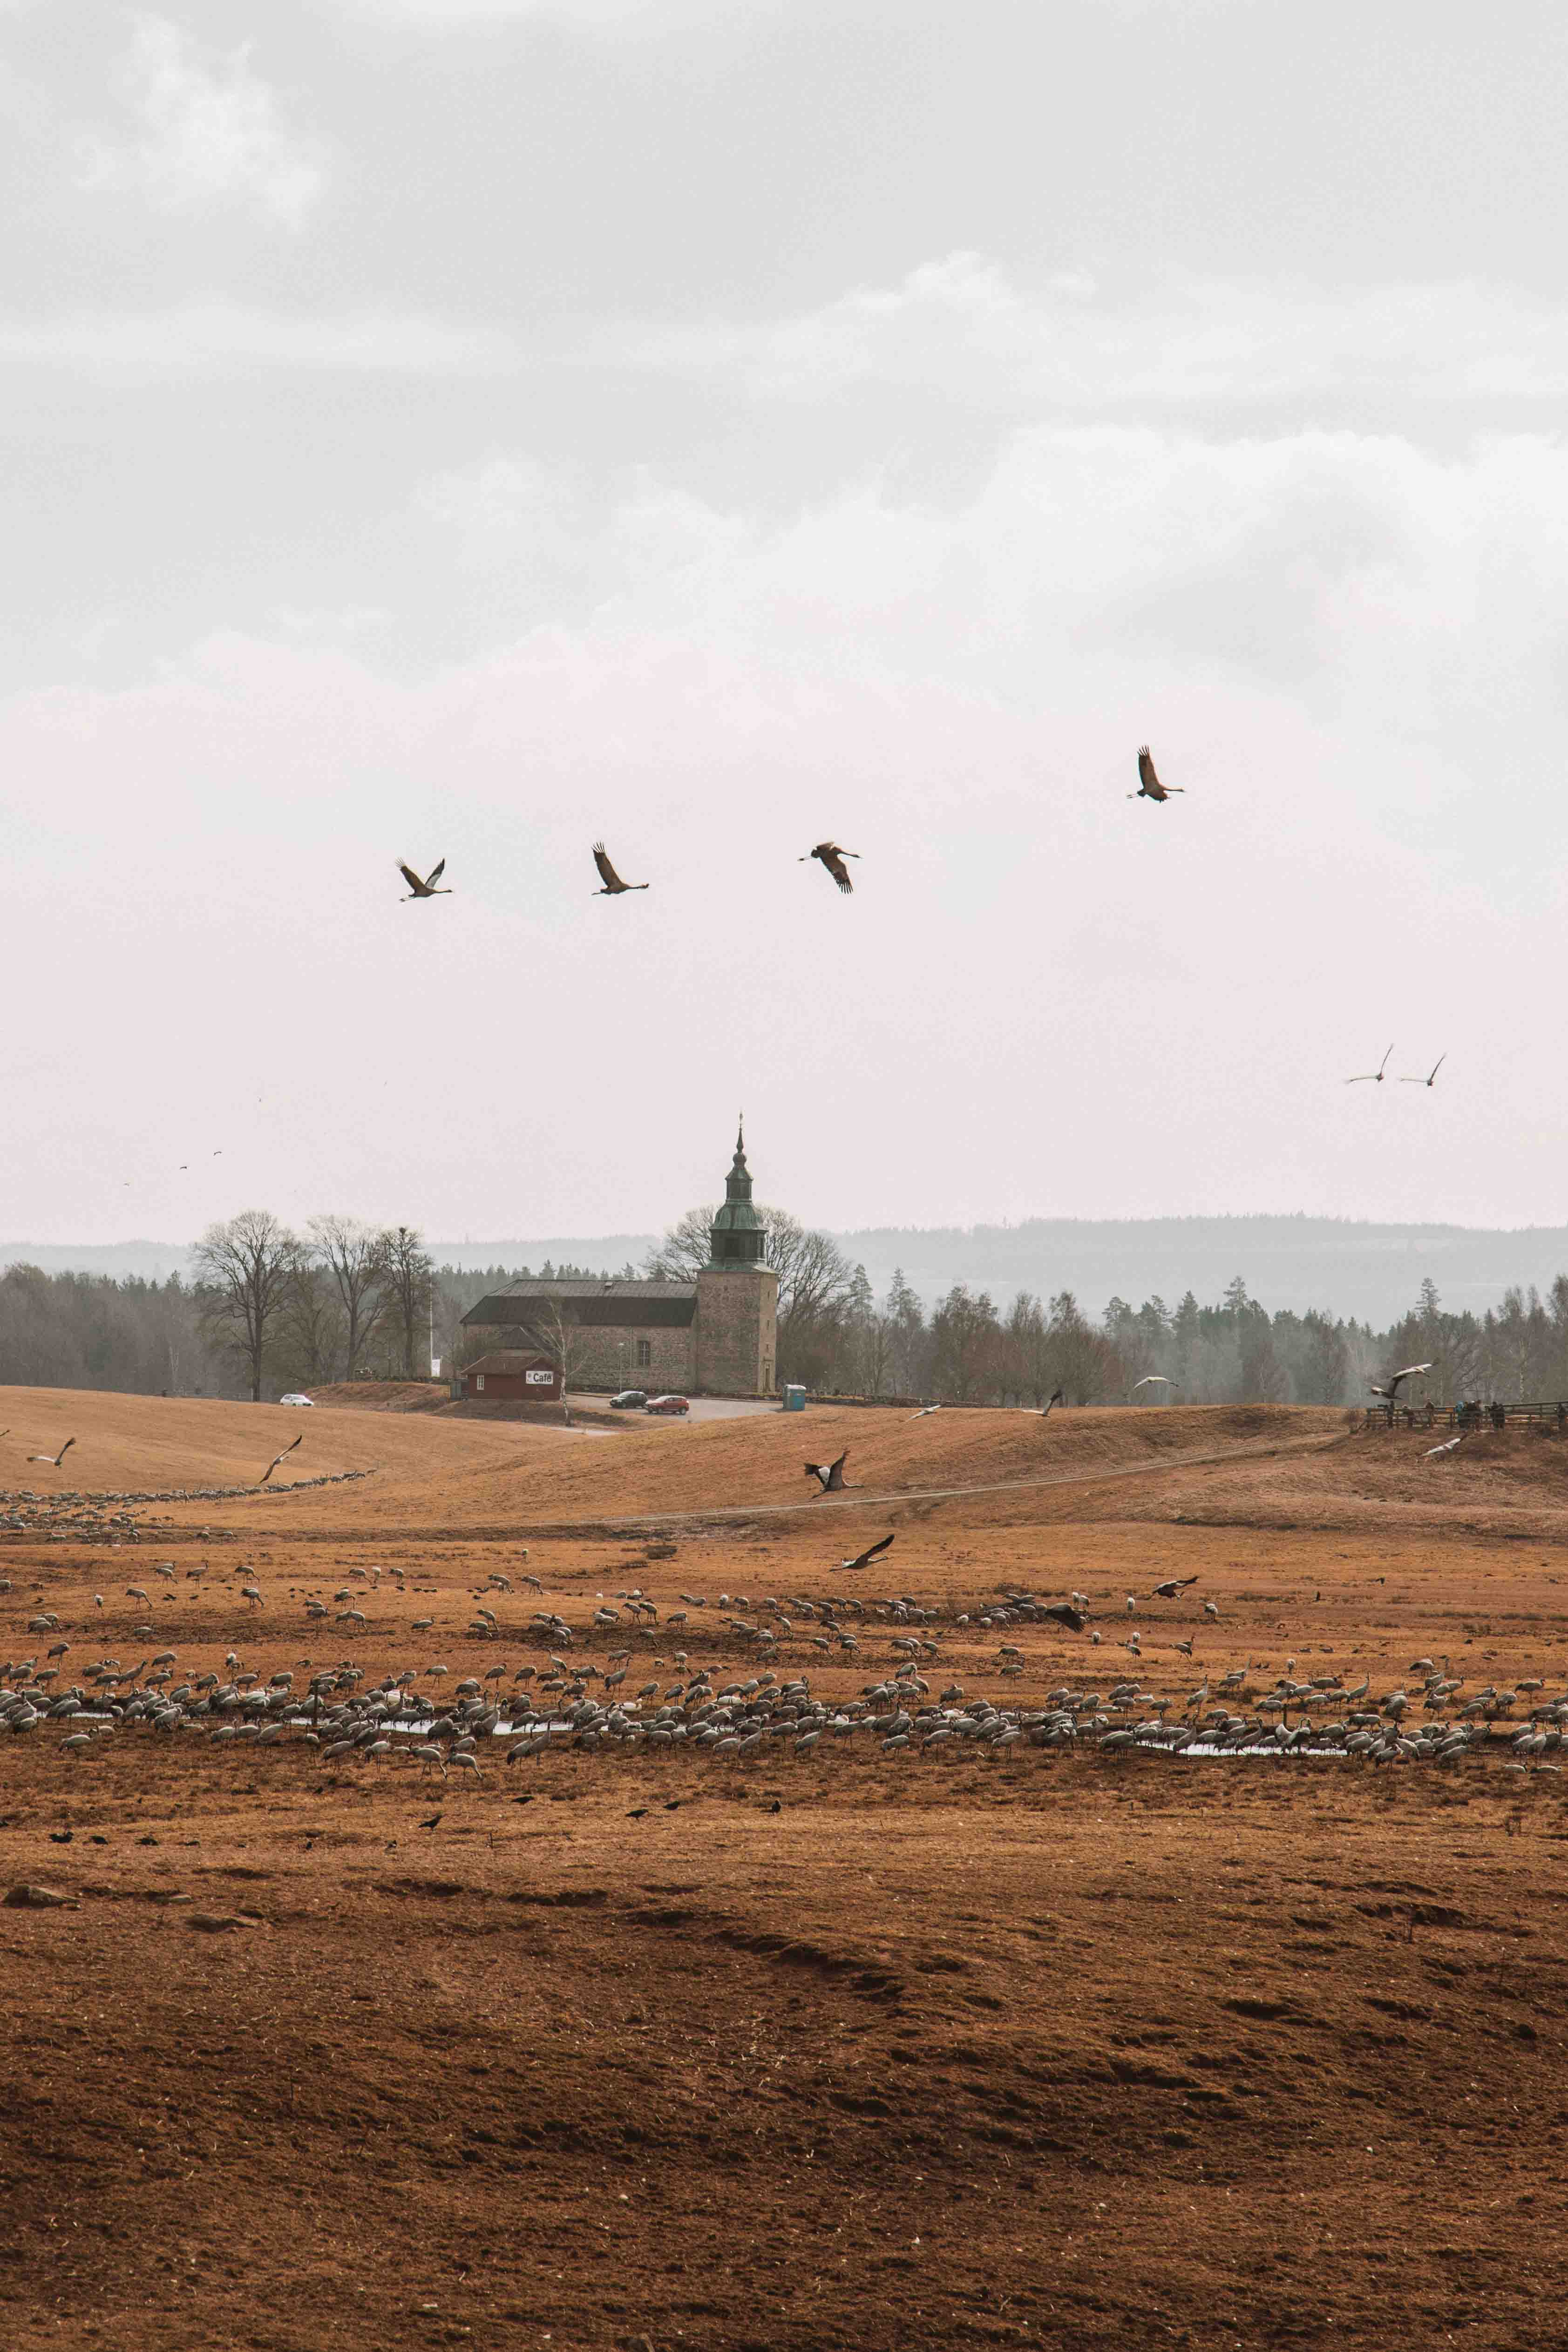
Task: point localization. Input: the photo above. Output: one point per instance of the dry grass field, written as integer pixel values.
(850, 2049)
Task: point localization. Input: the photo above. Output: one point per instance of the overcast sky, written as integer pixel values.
(475, 427)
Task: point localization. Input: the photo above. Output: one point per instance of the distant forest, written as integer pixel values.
(192, 1337)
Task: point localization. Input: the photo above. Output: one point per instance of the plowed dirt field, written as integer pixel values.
(850, 2049)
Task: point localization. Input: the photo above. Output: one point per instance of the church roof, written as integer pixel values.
(536, 1288)
(587, 1305)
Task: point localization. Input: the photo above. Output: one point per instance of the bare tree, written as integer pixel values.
(561, 1337)
(687, 1247)
(409, 1275)
(1025, 1356)
(312, 1328)
(817, 1283)
(244, 1268)
(910, 1338)
(355, 1255)
(966, 1344)
(1082, 1359)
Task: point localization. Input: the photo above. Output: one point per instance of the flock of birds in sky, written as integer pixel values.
(827, 853)
(54, 1460)
(1375, 1077)
(831, 857)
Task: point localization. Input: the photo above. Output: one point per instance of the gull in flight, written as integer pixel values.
(279, 1457)
(425, 889)
(832, 857)
(1432, 1080)
(1371, 1077)
(868, 1556)
(924, 1410)
(1150, 788)
(612, 881)
(1389, 1389)
(1154, 1380)
(54, 1460)
(1433, 1450)
(830, 1475)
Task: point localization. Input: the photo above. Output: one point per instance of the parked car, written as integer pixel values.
(295, 1398)
(629, 1401)
(668, 1404)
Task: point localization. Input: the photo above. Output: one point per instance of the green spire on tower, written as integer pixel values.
(738, 1235)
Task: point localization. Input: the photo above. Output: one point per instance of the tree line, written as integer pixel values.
(270, 1309)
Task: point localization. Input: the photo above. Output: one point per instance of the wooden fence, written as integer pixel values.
(1471, 1415)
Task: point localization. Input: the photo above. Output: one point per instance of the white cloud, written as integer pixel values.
(495, 501)
(960, 328)
(212, 337)
(208, 131)
(596, 15)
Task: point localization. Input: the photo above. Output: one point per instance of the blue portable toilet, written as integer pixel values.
(794, 1397)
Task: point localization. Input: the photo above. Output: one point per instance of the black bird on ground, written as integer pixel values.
(417, 890)
(614, 886)
(1150, 788)
(868, 1556)
(279, 1457)
(833, 858)
(433, 1823)
(830, 1475)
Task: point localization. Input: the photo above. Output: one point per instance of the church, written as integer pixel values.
(716, 1334)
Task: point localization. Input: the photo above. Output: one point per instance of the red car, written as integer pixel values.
(668, 1404)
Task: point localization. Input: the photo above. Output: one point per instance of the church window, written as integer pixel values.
(645, 1352)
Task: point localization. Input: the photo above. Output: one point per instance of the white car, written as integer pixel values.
(296, 1399)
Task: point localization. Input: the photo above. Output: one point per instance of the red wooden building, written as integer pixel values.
(512, 1373)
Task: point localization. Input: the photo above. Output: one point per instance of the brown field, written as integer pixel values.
(851, 2050)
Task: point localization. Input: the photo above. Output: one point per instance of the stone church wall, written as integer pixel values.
(736, 1330)
(607, 1356)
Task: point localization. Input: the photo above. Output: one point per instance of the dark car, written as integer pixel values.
(629, 1401)
(668, 1404)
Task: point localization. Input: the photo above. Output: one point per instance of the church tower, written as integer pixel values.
(737, 1296)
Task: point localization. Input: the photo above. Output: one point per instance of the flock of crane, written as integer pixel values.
(827, 854)
(831, 857)
(509, 1717)
(54, 1460)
